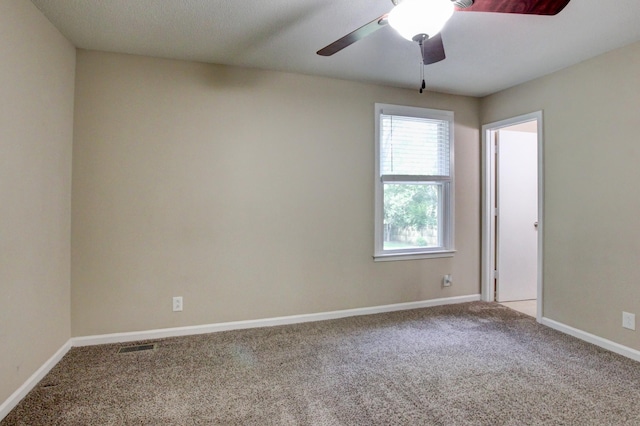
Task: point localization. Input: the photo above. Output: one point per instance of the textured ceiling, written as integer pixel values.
(486, 52)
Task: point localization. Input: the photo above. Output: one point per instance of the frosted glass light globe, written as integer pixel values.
(413, 17)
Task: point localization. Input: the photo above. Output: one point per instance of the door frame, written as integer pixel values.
(489, 198)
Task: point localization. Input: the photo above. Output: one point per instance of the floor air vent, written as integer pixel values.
(137, 348)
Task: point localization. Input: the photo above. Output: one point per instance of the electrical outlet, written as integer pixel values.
(177, 304)
(447, 281)
(629, 320)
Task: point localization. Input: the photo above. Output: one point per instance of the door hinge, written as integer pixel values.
(495, 274)
(495, 212)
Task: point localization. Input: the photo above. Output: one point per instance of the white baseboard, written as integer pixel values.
(268, 322)
(592, 338)
(17, 396)
(32, 381)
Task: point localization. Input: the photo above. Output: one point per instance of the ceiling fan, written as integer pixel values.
(422, 20)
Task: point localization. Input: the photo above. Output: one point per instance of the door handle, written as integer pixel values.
(535, 225)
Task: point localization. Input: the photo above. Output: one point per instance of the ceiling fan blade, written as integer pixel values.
(354, 36)
(433, 50)
(527, 7)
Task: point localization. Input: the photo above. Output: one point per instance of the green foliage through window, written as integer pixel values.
(411, 215)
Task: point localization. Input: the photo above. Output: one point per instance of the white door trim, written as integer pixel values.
(488, 203)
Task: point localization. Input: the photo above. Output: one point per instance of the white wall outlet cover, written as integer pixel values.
(446, 280)
(177, 304)
(629, 320)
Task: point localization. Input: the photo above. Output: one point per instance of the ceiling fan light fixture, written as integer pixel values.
(413, 17)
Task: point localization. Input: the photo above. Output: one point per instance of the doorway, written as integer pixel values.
(512, 213)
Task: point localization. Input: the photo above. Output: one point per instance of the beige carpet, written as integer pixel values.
(470, 364)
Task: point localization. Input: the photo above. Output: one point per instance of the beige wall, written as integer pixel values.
(249, 193)
(36, 124)
(592, 205)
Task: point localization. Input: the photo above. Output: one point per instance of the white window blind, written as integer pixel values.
(412, 146)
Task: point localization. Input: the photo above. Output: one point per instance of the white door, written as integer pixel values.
(517, 218)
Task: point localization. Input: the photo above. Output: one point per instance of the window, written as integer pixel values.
(413, 183)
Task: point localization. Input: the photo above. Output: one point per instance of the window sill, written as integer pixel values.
(390, 257)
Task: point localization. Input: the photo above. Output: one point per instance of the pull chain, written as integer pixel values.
(420, 39)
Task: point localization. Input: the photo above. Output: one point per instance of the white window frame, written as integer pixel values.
(447, 247)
